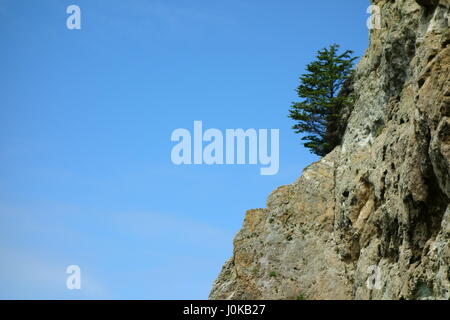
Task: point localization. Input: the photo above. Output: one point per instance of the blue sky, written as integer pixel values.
(86, 118)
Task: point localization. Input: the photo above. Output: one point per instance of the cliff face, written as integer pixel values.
(379, 202)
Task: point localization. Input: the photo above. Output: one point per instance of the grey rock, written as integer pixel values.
(380, 202)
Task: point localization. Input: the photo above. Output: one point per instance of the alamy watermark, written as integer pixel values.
(74, 280)
(74, 20)
(374, 279)
(374, 21)
(228, 148)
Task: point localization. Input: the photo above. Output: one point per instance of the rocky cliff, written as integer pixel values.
(371, 220)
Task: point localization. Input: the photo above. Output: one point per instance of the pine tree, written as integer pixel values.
(320, 88)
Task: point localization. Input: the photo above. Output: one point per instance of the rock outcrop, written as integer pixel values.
(371, 220)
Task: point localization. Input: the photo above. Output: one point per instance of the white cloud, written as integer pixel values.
(170, 227)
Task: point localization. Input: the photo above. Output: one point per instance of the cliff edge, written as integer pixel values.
(371, 220)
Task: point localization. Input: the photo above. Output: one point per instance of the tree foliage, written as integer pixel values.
(316, 115)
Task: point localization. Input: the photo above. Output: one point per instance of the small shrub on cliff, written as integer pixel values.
(317, 115)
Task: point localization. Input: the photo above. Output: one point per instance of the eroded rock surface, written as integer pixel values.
(380, 201)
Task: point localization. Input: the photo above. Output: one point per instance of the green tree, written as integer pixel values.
(320, 88)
